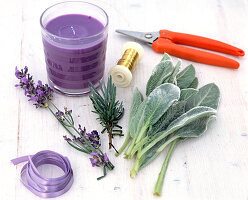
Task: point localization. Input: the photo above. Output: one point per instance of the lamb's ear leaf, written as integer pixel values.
(166, 57)
(154, 106)
(187, 93)
(159, 101)
(137, 100)
(172, 78)
(151, 154)
(136, 118)
(176, 110)
(190, 116)
(186, 118)
(186, 77)
(194, 129)
(194, 83)
(208, 95)
(162, 71)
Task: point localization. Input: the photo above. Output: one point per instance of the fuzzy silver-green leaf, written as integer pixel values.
(187, 93)
(188, 117)
(192, 115)
(136, 118)
(162, 71)
(176, 110)
(158, 103)
(208, 95)
(172, 78)
(137, 100)
(194, 129)
(151, 154)
(166, 57)
(186, 77)
(194, 83)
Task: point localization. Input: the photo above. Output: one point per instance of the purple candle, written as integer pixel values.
(74, 39)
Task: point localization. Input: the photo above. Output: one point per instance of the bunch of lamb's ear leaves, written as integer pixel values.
(172, 111)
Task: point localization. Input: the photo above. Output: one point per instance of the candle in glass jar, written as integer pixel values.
(75, 48)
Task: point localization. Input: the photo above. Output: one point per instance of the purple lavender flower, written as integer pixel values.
(98, 160)
(67, 139)
(67, 112)
(105, 157)
(22, 73)
(40, 94)
(82, 131)
(59, 115)
(33, 98)
(93, 137)
(26, 81)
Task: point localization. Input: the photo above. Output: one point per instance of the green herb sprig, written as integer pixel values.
(109, 110)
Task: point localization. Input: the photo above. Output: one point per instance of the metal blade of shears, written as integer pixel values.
(147, 37)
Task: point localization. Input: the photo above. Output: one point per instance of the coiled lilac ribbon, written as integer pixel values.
(41, 186)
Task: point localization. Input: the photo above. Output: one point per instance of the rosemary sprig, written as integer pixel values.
(109, 110)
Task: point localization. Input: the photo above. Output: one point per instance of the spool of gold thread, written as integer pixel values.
(122, 72)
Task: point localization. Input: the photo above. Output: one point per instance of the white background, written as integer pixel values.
(212, 167)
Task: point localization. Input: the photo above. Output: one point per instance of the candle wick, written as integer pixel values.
(73, 30)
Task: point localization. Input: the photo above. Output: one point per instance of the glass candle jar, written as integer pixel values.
(74, 36)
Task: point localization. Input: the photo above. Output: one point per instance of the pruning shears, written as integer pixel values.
(166, 41)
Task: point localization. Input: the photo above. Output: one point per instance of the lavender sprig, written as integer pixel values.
(39, 94)
(80, 140)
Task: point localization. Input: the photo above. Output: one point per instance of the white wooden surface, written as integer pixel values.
(213, 167)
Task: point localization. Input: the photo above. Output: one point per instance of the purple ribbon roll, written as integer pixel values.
(41, 186)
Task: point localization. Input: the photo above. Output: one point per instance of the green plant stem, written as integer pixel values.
(82, 150)
(60, 121)
(138, 146)
(127, 140)
(135, 169)
(110, 166)
(141, 134)
(167, 142)
(135, 141)
(80, 144)
(85, 139)
(160, 180)
(109, 131)
(130, 147)
(87, 149)
(54, 105)
(120, 134)
(104, 173)
(149, 146)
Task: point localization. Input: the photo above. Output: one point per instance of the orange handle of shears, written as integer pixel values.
(167, 43)
(201, 42)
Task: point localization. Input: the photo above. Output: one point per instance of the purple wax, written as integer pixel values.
(75, 54)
